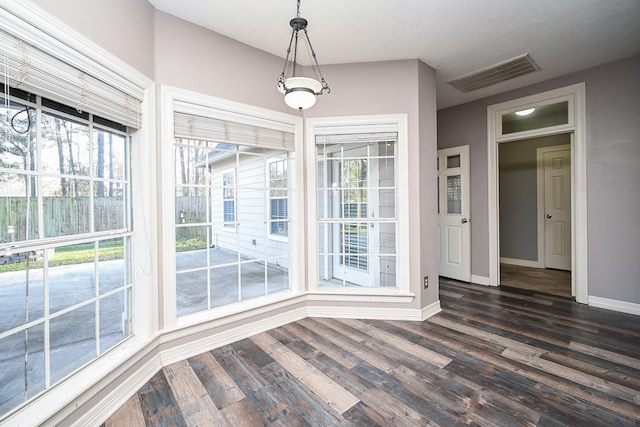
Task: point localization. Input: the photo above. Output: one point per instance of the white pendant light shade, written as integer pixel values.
(300, 92)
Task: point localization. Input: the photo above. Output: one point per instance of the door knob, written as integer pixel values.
(464, 220)
(549, 216)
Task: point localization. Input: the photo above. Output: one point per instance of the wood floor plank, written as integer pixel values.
(487, 336)
(250, 382)
(192, 398)
(302, 406)
(158, 404)
(356, 348)
(585, 379)
(610, 356)
(323, 345)
(243, 414)
(220, 386)
(336, 396)
(401, 343)
(129, 414)
(390, 408)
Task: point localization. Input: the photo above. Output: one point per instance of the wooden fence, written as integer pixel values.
(62, 216)
(71, 215)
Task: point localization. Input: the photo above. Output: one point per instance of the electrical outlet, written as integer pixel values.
(425, 282)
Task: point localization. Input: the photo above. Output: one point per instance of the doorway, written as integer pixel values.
(572, 121)
(535, 214)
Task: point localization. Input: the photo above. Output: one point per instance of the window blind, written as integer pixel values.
(354, 138)
(192, 126)
(56, 71)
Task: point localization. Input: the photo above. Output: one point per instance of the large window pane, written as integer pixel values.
(71, 276)
(113, 269)
(65, 148)
(21, 291)
(66, 206)
(23, 367)
(245, 192)
(73, 341)
(114, 316)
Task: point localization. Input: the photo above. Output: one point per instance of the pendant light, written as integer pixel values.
(300, 92)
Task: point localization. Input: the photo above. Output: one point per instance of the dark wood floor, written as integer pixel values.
(490, 358)
(541, 280)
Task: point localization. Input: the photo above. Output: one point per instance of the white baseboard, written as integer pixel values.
(409, 314)
(480, 280)
(521, 262)
(431, 310)
(214, 340)
(615, 305)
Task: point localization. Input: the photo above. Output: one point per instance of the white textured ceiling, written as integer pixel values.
(456, 37)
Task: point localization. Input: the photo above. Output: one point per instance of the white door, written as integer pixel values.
(557, 208)
(454, 222)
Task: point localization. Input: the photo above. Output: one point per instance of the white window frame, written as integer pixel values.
(365, 124)
(273, 236)
(205, 105)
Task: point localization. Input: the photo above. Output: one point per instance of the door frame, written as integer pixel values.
(575, 95)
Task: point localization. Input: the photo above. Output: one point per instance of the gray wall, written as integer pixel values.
(518, 170)
(613, 174)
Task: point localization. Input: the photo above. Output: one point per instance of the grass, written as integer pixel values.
(70, 255)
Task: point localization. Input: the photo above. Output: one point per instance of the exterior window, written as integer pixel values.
(356, 203)
(65, 239)
(221, 186)
(278, 198)
(229, 199)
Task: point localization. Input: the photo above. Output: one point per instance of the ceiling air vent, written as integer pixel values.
(518, 66)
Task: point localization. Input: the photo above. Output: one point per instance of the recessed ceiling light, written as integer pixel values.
(525, 112)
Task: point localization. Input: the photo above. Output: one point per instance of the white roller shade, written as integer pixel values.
(194, 126)
(51, 69)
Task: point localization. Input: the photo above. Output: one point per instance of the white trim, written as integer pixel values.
(611, 304)
(333, 312)
(520, 262)
(431, 310)
(350, 124)
(481, 280)
(575, 94)
(228, 336)
(367, 297)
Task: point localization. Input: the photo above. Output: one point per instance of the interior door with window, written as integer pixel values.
(454, 222)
